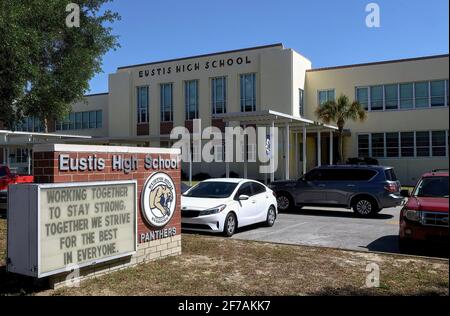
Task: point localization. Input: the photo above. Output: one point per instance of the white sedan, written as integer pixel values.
(223, 205)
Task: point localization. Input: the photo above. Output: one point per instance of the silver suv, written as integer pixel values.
(366, 189)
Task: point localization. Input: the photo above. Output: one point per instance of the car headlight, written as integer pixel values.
(213, 210)
(413, 215)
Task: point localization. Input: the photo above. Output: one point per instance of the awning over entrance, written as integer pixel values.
(291, 124)
(25, 140)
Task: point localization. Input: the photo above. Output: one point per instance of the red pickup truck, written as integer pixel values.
(425, 215)
(7, 178)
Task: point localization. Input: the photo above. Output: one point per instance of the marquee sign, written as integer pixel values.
(78, 224)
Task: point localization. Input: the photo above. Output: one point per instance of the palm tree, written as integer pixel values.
(340, 112)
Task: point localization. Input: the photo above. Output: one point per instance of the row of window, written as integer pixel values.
(81, 120)
(414, 95)
(403, 144)
(31, 125)
(191, 98)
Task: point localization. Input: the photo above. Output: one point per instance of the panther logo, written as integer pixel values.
(158, 199)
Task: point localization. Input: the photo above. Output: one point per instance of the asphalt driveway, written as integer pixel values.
(335, 228)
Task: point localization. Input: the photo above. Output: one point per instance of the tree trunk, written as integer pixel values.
(45, 125)
(341, 147)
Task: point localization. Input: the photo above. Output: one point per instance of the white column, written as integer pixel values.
(8, 162)
(245, 155)
(287, 152)
(272, 154)
(304, 150)
(227, 164)
(29, 160)
(190, 166)
(331, 148)
(319, 150)
(296, 155)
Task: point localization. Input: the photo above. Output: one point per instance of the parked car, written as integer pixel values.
(184, 187)
(7, 178)
(223, 205)
(425, 215)
(366, 189)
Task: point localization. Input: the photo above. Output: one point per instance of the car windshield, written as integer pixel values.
(212, 190)
(436, 187)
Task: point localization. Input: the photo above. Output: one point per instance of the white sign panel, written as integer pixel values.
(84, 224)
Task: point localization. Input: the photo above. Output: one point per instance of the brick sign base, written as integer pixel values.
(47, 169)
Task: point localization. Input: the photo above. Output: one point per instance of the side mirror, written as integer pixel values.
(405, 193)
(243, 197)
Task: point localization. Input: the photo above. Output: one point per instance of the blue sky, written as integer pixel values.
(328, 32)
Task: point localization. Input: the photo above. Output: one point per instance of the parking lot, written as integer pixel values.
(337, 228)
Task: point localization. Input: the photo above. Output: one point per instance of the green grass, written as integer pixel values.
(219, 266)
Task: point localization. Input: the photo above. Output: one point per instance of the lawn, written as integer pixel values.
(217, 266)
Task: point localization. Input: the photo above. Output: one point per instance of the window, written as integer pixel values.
(258, 188)
(362, 96)
(438, 93)
(245, 189)
(326, 96)
(166, 102)
(142, 105)
(92, 119)
(438, 143)
(423, 144)
(421, 93)
(30, 124)
(248, 93)
(378, 145)
(81, 120)
(391, 96)
(407, 144)
(376, 98)
(85, 120)
(21, 155)
(390, 175)
(66, 123)
(403, 144)
(363, 146)
(71, 121)
(191, 99)
(392, 145)
(301, 102)
(219, 95)
(99, 119)
(406, 96)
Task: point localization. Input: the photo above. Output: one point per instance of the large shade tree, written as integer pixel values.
(18, 43)
(55, 70)
(339, 112)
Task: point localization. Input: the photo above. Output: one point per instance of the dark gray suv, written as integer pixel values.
(366, 189)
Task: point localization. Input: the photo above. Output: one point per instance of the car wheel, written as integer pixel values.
(230, 225)
(271, 216)
(284, 202)
(365, 207)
